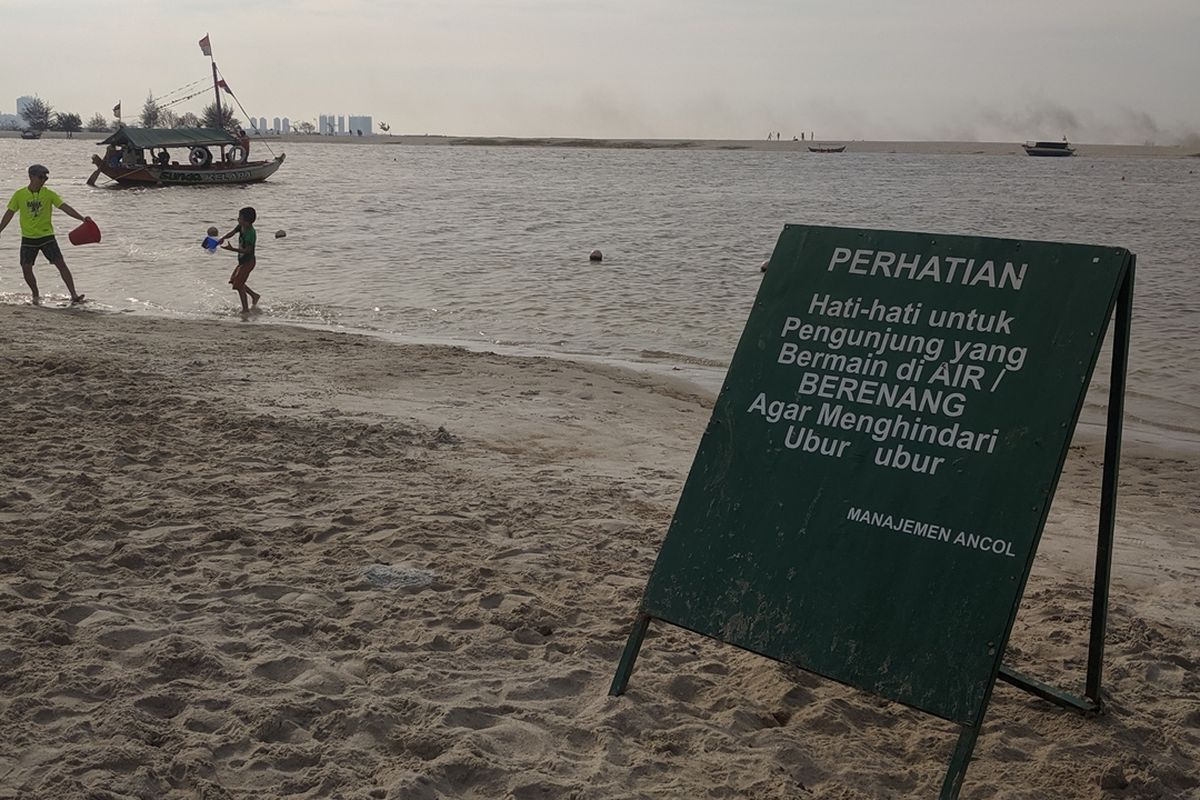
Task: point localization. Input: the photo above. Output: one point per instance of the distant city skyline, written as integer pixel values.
(1093, 70)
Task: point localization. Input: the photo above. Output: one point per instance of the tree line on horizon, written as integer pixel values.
(40, 116)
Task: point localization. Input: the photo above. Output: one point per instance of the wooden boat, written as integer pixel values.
(1050, 149)
(827, 148)
(212, 157)
(142, 157)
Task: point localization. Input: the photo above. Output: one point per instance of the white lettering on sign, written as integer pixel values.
(919, 267)
(928, 530)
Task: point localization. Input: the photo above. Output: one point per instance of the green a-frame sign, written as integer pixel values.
(867, 499)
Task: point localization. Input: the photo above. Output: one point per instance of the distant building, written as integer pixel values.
(275, 125)
(10, 122)
(287, 125)
(23, 103)
(262, 125)
(334, 124)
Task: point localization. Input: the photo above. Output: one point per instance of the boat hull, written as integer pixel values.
(818, 149)
(1048, 152)
(187, 175)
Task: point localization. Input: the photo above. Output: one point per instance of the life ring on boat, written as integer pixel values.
(235, 154)
(200, 156)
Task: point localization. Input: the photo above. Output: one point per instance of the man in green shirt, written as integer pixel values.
(35, 204)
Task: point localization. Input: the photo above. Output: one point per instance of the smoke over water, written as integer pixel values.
(1055, 121)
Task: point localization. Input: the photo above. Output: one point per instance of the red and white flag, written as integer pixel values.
(222, 84)
(205, 47)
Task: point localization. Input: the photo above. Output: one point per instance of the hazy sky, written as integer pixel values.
(1009, 70)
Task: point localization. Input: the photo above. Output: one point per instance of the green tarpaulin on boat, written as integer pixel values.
(150, 138)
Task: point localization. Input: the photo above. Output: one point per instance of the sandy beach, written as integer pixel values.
(254, 561)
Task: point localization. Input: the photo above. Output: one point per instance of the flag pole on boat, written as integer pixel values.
(206, 48)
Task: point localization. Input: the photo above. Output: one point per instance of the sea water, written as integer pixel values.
(489, 246)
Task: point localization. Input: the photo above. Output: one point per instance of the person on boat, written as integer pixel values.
(244, 143)
(36, 203)
(163, 158)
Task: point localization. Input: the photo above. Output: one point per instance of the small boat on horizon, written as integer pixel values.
(30, 133)
(1049, 149)
(826, 148)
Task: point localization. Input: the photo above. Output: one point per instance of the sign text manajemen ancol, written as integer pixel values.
(868, 497)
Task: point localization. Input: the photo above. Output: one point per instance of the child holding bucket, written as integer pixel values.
(247, 239)
(36, 203)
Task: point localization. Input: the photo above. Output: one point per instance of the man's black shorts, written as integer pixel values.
(46, 245)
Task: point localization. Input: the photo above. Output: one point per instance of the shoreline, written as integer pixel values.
(906, 147)
(701, 379)
(238, 560)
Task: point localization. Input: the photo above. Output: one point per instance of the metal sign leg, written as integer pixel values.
(629, 657)
(1108, 491)
(959, 762)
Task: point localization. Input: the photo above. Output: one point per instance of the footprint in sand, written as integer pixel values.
(162, 706)
(555, 688)
(125, 638)
(75, 614)
(396, 577)
(283, 670)
(475, 718)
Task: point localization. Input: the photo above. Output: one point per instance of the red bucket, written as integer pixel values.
(87, 233)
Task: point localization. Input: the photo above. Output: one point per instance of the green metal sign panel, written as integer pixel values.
(867, 499)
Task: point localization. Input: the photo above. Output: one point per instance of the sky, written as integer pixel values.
(1097, 71)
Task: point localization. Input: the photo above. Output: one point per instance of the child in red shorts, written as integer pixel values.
(247, 238)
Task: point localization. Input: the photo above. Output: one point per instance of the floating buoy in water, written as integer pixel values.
(763, 266)
(596, 255)
(280, 234)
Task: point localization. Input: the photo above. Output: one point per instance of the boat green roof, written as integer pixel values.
(148, 138)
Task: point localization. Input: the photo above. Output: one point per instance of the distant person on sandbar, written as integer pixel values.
(36, 203)
(247, 239)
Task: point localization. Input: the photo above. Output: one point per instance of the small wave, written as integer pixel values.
(15, 298)
(666, 355)
(300, 311)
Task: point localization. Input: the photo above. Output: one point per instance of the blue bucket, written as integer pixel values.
(210, 244)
